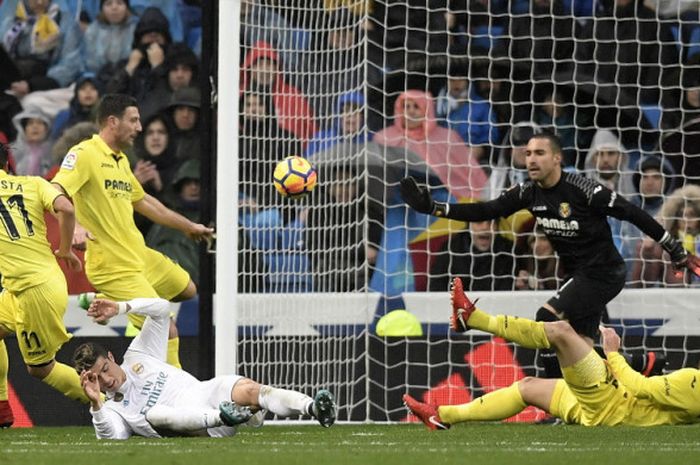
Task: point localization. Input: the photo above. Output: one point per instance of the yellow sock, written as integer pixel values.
(64, 379)
(524, 332)
(4, 368)
(496, 405)
(174, 352)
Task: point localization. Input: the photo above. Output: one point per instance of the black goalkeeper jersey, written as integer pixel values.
(573, 215)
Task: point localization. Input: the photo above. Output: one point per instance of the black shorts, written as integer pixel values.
(583, 297)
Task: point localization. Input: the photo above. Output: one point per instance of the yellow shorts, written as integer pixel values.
(602, 400)
(35, 315)
(162, 278)
(564, 404)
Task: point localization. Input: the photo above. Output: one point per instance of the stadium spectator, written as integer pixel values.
(592, 392)
(680, 214)
(261, 23)
(108, 38)
(465, 108)
(181, 70)
(156, 164)
(625, 47)
(262, 72)
(539, 268)
(543, 36)
(32, 149)
(416, 129)
(348, 126)
(184, 113)
(261, 144)
(171, 11)
(403, 33)
(479, 255)
(335, 66)
(572, 211)
(141, 72)
(184, 405)
(653, 180)
(680, 114)
(554, 111)
(184, 199)
(44, 43)
(607, 163)
(82, 105)
(476, 27)
(335, 233)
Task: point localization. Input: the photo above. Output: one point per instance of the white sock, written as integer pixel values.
(162, 416)
(283, 402)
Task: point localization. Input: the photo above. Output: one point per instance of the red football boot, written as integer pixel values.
(462, 307)
(6, 418)
(426, 413)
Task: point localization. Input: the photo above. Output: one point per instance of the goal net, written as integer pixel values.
(449, 93)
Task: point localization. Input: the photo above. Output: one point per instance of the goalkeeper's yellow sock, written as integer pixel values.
(4, 368)
(524, 332)
(174, 352)
(64, 379)
(496, 405)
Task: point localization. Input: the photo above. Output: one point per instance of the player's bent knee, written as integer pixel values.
(558, 331)
(245, 392)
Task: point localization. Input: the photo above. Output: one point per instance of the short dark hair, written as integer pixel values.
(86, 355)
(554, 142)
(4, 155)
(113, 105)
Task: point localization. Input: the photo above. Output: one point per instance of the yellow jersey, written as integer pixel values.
(658, 400)
(103, 190)
(26, 258)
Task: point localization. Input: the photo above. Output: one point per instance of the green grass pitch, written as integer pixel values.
(490, 443)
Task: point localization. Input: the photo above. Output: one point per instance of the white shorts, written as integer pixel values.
(210, 393)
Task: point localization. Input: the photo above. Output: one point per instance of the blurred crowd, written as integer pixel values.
(448, 91)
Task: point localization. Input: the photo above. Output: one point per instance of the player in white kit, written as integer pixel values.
(145, 396)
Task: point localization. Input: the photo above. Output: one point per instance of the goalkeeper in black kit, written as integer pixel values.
(572, 211)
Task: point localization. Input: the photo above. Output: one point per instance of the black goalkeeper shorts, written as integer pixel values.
(583, 297)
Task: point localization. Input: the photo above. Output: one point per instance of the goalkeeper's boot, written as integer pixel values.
(6, 417)
(425, 413)
(462, 307)
(324, 408)
(232, 414)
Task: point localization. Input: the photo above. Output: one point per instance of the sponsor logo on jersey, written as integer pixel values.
(69, 161)
(107, 165)
(564, 210)
(152, 391)
(116, 184)
(539, 208)
(137, 368)
(557, 227)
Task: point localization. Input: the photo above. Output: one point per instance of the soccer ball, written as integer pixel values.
(294, 177)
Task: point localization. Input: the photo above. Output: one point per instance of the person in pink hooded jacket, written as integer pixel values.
(415, 127)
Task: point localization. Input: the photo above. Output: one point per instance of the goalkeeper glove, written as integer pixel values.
(679, 256)
(420, 200)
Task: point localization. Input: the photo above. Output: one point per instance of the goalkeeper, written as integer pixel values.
(145, 396)
(592, 392)
(572, 211)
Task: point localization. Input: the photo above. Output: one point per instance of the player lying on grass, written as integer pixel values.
(592, 392)
(145, 396)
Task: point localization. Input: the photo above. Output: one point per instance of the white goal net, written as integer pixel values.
(448, 92)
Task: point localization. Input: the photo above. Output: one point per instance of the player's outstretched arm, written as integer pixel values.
(66, 221)
(419, 198)
(154, 210)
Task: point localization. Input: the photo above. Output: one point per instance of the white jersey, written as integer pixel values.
(150, 380)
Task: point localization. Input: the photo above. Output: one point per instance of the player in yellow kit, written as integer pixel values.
(35, 293)
(593, 391)
(96, 175)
